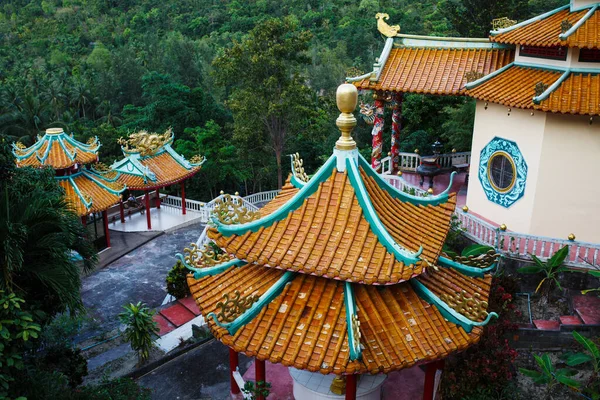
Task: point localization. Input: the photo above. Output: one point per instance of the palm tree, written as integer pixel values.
(80, 96)
(38, 235)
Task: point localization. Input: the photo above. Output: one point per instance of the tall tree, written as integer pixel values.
(268, 95)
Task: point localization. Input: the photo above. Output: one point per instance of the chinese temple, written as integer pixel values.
(150, 163)
(537, 87)
(341, 275)
(89, 192)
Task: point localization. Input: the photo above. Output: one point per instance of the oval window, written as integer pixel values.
(502, 171)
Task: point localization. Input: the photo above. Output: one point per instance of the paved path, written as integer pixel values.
(137, 276)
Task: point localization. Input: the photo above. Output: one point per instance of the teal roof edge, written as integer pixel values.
(465, 269)
(529, 21)
(350, 303)
(211, 271)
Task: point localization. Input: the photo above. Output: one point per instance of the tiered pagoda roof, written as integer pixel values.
(341, 273)
(86, 190)
(150, 162)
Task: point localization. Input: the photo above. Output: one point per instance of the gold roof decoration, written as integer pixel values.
(233, 307)
(383, 27)
(204, 257)
(197, 159)
(146, 143)
(501, 23)
(472, 76)
(298, 165)
(367, 112)
(481, 261)
(229, 210)
(471, 307)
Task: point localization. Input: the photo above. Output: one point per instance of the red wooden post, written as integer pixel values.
(183, 197)
(233, 364)
(259, 367)
(351, 387)
(148, 210)
(377, 135)
(84, 220)
(430, 370)
(157, 198)
(106, 232)
(122, 211)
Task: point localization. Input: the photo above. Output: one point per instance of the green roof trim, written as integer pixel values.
(307, 190)
(211, 271)
(577, 25)
(401, 254)
(88, 204)
(252, 312)
(297, 183)
(446, 311)
(465, 269)
(474, 84)
(552, 88)
(94, 177)
(351, 310)
(529, 21)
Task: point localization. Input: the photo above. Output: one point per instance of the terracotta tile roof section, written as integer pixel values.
(305, 325)
(578, 94)
(546, 32)
(329, 234)
(87, 193)
(514, 87)
(56, 149)
(435, 71)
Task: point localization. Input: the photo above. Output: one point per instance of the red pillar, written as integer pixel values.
(147, 198)
(84, 220)
(157, 198)
(106, 231)
(259, 367)
(183, 197)
(377, 133)
(430, 370)
(396, 130)
(122, 211)
(351, 387)
(233, 364)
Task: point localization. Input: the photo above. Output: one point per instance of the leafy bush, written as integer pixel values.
(67, 361)
(139, 328)
(177, 281)
(116, 389)
(255, 390)
(550, 268)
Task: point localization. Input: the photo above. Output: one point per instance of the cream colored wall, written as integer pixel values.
(575, 4)
(527, 131)
(575, 61)
(567, 198)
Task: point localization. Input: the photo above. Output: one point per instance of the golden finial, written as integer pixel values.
(466, 209)
(416, 151)
(383, 27)
(237, 193)
(571, 237)
(430, 191)
(503, 227)
(347, 99)
(54, 131)
(221, 192)
(454, 150)
(399, 173)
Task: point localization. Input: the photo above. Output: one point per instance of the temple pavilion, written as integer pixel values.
(89, 192)
(340, 275)
(150, 163)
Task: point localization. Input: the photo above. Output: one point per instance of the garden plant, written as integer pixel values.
(140, 328)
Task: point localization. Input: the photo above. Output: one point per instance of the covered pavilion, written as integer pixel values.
(88, 191)
(149, 164)
(339, 274)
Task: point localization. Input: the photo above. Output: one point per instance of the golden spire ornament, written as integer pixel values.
(347, 99)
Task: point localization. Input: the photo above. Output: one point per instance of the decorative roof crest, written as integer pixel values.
(197, 159)
(472, 76)
(501, 23)
(471, 307)
(540, 88)
(146, 143)
(233, 307)
(481, 261)
(383, 27)
(230, 210)
(298, 168)
(204, 257)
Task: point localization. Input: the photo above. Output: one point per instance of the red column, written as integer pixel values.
(157, 198)
(351, 387)
(122, 211)
(147, 198)
(183, 197)
(377, 133)
(84, 220)
(106, 232)
(396, 130)
(259, 368)
(233, 364)
(430, 370)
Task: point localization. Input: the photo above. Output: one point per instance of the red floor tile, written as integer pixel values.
(164, 326)
(588, 309)
(546, 325)
(190, 304)
(177, 314)
(570, 320)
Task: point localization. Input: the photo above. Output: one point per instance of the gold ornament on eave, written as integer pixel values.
(298, 165)
(230, 211)
(383, 27)
(204, 257)
(146, 143)
(502, 23)
(471, 307)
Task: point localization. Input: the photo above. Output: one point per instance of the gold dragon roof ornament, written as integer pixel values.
(383, 27)
(146, 143)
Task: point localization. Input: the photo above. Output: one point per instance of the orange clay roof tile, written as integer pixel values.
(64, 152)
(435, 71)
(588, 34)
(578, 94)
(100, 197)
(305, 325)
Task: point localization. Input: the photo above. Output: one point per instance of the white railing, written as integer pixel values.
(521, 245)
(455, 160)
(399, 183)
(409, 162)
(204, 209)
(261, 197)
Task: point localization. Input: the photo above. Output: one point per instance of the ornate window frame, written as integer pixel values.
(508, 196)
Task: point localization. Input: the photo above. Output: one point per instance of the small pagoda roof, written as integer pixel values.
(541, 87)
(150, 162)
(340, 273)
(564, 26)
(56, 149)
(89, 192)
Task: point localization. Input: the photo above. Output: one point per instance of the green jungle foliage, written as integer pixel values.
(177, 281)
(107, 67)
(139, 328)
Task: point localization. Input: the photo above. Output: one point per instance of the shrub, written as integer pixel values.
(177, 281)
(116, 389)
(139, 328)
(255, 390)
(68, 362)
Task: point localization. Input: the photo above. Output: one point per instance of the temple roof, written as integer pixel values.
(560, 27)
(150, 162)
(88, 192)
(56, 149)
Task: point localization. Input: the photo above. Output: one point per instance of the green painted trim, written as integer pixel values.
(82, 146)
(307, 190)
(529, 21)
(359, 78)
(552, 88)
(178, 157)
(28, 151)
(70, 178)
(101, 184)
(211, 271)
(445, 309)
(47, 152)
(573, 9)
(350, 303)
(449, 43)
(73, 155)
(401, 254)
(573, 29)
(400, 195)
(253, 311)
(465, 269)
(540, 66)
(474, 84)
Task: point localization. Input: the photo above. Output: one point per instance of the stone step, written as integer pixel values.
(177, 314)
(587, 308)
(570, 320)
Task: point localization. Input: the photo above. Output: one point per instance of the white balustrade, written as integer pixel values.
(399, 183)
(261, 197)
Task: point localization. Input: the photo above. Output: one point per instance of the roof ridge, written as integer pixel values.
(529, 21)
